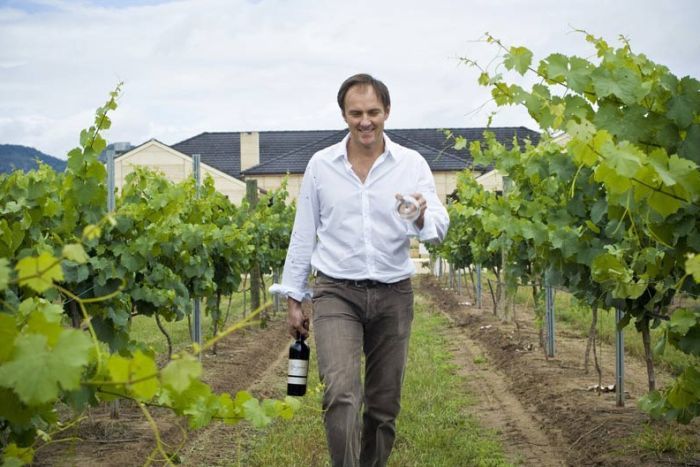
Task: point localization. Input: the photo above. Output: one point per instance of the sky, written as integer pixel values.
(192, 66)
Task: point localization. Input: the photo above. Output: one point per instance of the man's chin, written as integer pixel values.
(368, 138)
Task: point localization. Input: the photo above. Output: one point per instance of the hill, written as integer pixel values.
(14, 156)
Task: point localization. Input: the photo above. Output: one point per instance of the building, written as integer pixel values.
(270, 156)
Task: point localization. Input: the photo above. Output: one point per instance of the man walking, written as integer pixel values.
(347, 229)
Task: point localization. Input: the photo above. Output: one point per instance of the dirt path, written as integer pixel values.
(541, 406)
(498, 409)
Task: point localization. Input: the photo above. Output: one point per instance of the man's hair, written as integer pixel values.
(363, 79)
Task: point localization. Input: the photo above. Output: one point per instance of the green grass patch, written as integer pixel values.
(435, 427)
(144, 328)
(663, 441)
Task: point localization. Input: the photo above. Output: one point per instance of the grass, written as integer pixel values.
(663, 441)
(144, 328)
(435, 427)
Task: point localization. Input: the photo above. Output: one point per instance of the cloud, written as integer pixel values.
(216, 65)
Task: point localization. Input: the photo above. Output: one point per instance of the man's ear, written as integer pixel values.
(386, 111)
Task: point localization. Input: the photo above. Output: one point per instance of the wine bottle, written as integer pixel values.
(298, 367)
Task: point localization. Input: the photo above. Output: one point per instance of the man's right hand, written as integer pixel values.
(297, 322)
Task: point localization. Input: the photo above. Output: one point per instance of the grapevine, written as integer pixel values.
(606, 203)
(72, 276)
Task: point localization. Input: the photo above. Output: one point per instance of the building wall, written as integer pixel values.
(445, 183)
(175, 166)
(272, 182)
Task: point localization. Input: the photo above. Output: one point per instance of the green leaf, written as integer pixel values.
(579, 76)
(686, 389)
(518, 58)
(75, 252)
(292, 406)
(624, 157)
(178, 374)
(4, 273)
(14, 455)
(44, 319)
(91, 232)
(680, 111)
(682, 320)
(555, 67)
(653, 403)
(660, 346)
(139, 374)
(690, 342)
(39, 272)
(592, 226)
(8, 333)
(621, 82)
(614, 182)
(692, 266)
(37, 372)
(607, 267)
(255, 414)
(690, 148)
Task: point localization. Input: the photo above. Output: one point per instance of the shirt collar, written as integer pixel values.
(342, 148)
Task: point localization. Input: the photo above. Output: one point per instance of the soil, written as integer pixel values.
(241, 360)
(540, 407)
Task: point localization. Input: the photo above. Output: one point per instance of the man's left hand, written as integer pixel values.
(422, 205)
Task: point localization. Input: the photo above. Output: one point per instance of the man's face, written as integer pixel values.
(365, 116)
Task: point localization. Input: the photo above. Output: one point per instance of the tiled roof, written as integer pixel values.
(218, 150)
(431, 143)
(284, 152)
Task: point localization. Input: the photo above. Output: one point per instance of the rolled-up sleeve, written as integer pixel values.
(303, 240)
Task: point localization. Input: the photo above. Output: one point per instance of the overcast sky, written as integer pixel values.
(240, 65)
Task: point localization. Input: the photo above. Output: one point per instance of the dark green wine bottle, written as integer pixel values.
(298, 367)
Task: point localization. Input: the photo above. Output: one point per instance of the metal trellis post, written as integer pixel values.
(549, 319)
(478, 286)
(619, 359)
(197, 326)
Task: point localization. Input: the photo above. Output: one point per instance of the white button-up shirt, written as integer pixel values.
(350, 230)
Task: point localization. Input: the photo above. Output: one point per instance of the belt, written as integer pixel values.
(368, 283)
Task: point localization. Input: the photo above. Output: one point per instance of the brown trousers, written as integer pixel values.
(351, 318)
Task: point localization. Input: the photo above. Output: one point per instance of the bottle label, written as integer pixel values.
(298, 369)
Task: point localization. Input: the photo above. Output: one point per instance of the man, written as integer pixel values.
(347, 229)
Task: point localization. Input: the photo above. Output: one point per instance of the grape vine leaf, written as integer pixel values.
(39, 272)
(178, 374)
(4, 273)
(138, 373)
(692, 266)
(255, 413)
(686, 389)
(75, 252)
(36, 371)
(14, 455)
(518, 58)
(8, 333)
(91, 232)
